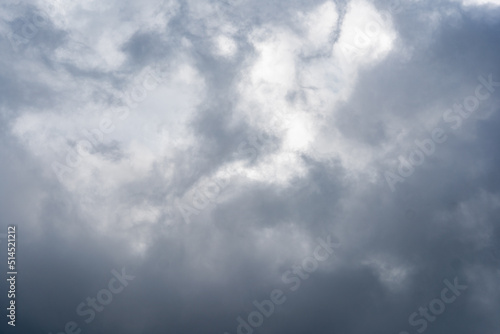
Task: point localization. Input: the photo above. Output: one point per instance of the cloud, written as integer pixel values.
(206, 146)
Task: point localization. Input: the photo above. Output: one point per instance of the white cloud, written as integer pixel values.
(225, 46)
(320, 27)
(481, 2)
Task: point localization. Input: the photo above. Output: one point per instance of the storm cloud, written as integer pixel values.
(241, 166)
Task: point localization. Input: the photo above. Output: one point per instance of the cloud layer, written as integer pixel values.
(208, 148)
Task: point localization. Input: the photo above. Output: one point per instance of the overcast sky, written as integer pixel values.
(238, 166)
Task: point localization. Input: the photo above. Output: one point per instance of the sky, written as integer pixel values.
(239, 167)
